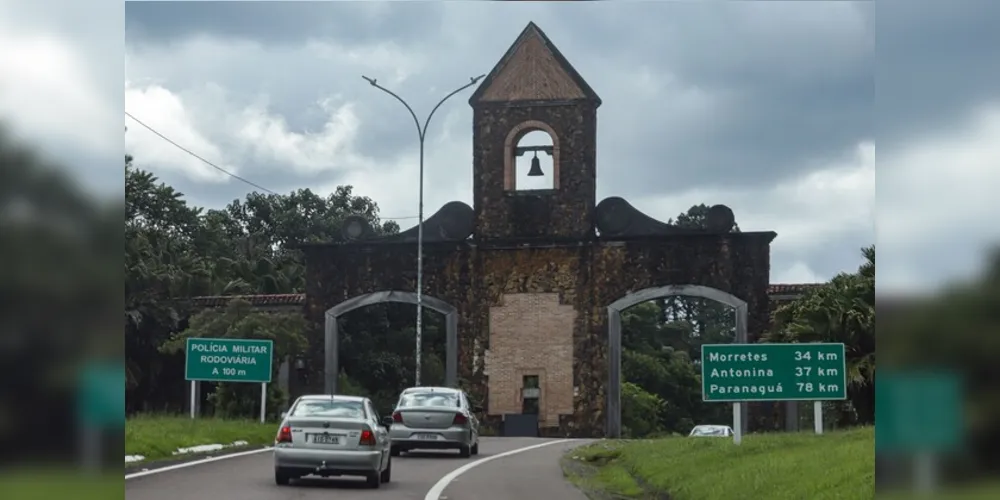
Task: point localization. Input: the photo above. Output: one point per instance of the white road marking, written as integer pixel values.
(193, 463)
(436, 492)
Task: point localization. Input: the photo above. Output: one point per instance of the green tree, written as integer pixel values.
(697, 320)
(58, 281)
(253, 241)
(661, 342)
(161, 266)
(842, 310)
(955, 329)
(655, 358)
(381, 339)
(641, 411)
(174, 251)
(696, 218)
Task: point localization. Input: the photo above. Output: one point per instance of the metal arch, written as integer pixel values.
(613, 417)
(332, 334)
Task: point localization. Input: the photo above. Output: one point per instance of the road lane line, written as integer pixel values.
(192, 463)
(437, 490)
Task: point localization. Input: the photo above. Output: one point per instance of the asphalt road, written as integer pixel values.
(530, 474)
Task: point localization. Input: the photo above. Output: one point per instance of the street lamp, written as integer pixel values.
(421, 134)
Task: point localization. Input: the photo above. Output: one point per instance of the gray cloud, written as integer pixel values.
(777, 119)
(283, 22)
(697, 95)
(936, 62)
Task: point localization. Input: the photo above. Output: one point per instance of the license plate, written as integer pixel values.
(427, 437)
(325, 439)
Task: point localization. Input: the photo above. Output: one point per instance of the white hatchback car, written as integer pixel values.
(324, 435)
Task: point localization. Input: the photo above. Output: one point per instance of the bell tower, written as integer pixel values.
(534, 146)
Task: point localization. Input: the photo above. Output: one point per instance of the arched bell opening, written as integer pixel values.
(531, 158)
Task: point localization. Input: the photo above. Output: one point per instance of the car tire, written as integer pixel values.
(394, 451)
(386, 475)
(282, 476)
(374, 480)
(465, 451)
(475, 448)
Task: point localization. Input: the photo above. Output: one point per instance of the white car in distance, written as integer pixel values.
(711, 431)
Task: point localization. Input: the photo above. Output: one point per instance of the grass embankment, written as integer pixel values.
(837, 465)
(69, 484)
(156, 436)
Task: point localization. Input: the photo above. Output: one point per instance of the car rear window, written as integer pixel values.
(417, 399)
(328, 408)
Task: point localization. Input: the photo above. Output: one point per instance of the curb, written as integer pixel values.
(164, 464)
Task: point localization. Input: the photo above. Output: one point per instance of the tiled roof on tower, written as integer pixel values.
(533, 69)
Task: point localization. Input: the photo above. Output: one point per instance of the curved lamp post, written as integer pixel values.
(421, 135)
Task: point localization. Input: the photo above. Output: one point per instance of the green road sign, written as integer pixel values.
(918, 411)
(228, 360)
(101, 397)
(773, 372)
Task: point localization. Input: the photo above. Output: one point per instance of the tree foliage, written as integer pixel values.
(956, 330)
(239, 321)
(842, 311)
(58, 282)
(175, 251)
(661, 342)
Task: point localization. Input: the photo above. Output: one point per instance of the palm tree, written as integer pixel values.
(842, 311)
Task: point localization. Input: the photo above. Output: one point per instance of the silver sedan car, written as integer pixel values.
(434, 418)
(330, 435)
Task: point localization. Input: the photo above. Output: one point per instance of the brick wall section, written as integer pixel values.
(531, 334)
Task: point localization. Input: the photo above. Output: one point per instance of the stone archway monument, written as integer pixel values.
(613, 417)
(525, 276)
(331, 339)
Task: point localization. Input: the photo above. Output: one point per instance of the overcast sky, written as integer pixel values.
(770, 108)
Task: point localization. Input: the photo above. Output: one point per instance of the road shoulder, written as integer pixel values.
(192, 459)
(534, 473)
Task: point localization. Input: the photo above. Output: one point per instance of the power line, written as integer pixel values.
(220, 169)
(188, 151)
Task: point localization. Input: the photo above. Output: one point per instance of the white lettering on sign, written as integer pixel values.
(745, 389)
(250, 349)
(714, 356)
(734, 373)
(209, 348)
(229, 360)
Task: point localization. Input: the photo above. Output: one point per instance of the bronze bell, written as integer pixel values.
(536, 167)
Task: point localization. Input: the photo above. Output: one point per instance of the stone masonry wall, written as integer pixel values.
(563, 212)
(586, 275)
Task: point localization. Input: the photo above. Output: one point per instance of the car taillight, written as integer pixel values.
(284, 435)
(459, 419)
(367, 438)
(397, 417)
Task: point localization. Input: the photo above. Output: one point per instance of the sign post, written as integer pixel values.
(229, 360)
(101, 407)
(741, 373)
(263, 401)
(919, 413)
